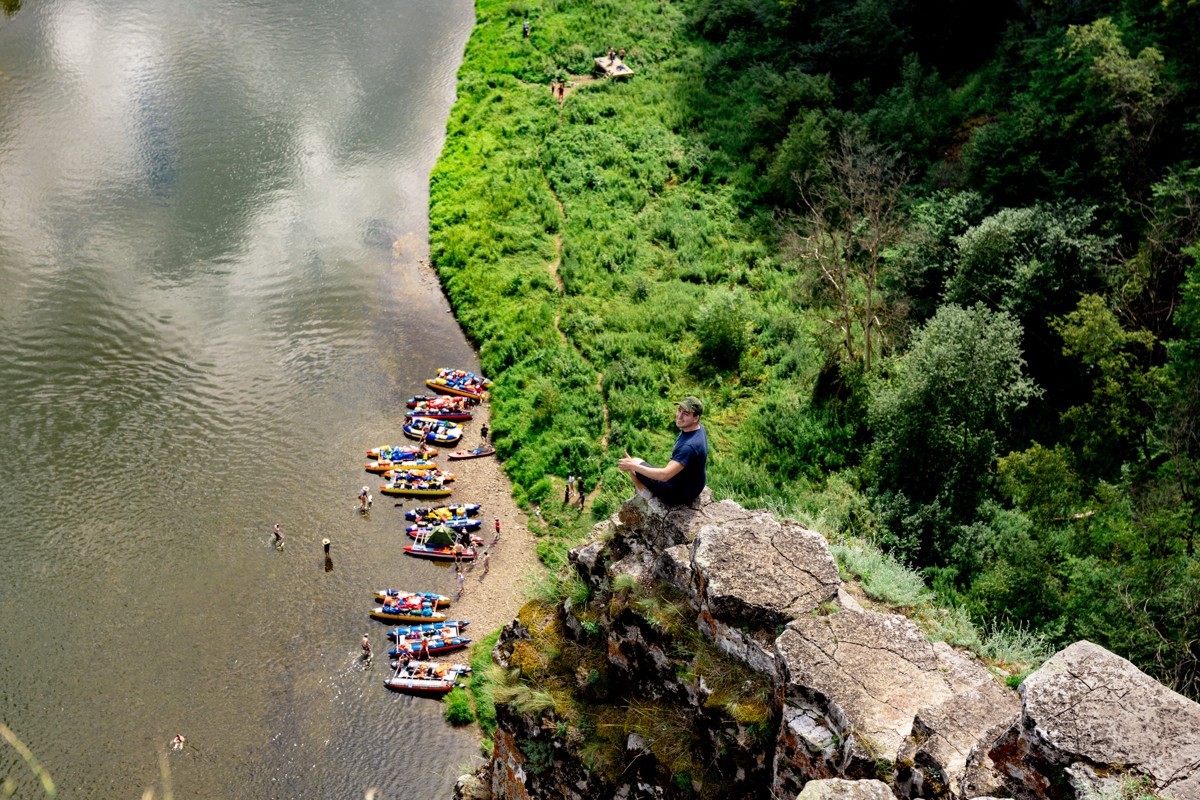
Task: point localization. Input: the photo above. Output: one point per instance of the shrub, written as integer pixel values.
(458, 708)
(723, 333)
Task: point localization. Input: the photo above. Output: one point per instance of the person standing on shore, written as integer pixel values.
(366, 646)
(684, 476)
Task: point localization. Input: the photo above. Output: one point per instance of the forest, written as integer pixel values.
(933, 267)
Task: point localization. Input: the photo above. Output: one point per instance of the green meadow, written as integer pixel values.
(934, 276)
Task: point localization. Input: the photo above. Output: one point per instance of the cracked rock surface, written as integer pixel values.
(893, 698)
(764, 572)
(1093, 711)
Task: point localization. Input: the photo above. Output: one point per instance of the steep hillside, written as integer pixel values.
(932, 269)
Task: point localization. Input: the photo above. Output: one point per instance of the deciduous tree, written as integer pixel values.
(851, 216)
(940, 419)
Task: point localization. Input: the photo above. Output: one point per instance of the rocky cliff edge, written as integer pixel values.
(857, 702)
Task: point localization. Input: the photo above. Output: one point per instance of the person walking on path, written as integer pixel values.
(483, 432)
(496, 539)
(567, 492)
(684, 476)
(460, 579)
(487, 563)
(582, 493)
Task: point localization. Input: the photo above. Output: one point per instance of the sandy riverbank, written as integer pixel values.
(491, 600)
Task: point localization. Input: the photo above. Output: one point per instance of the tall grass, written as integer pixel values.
(882, 577)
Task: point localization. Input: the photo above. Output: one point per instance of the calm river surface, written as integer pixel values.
(210, 306)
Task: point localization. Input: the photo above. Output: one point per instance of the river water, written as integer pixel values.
(211, 216)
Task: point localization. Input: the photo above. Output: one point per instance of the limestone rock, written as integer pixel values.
(586, 558)
(755, 648)
(662, 526)
(675, 567)
(1088, 710)
(892, 702)
(945, 754)
(473, 786)
(762, 573)
(838, 789)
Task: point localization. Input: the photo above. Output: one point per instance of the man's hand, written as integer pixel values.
(628, 463)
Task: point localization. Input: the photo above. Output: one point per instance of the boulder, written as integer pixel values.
(866, 695)
(758, 572)
(474, 786)
(838, 789)
(661, 526)
(1088, 714)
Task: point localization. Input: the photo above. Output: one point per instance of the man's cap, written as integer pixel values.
(692, 405)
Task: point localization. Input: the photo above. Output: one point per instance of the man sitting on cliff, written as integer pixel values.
(683, 478)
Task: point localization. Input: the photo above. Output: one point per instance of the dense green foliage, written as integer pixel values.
(933, 268)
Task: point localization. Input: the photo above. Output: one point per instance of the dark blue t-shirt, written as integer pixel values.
(691, 450)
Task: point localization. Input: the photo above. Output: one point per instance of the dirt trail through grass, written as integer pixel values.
(552, 267)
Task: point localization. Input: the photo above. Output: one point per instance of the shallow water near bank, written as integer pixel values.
(211, 304)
